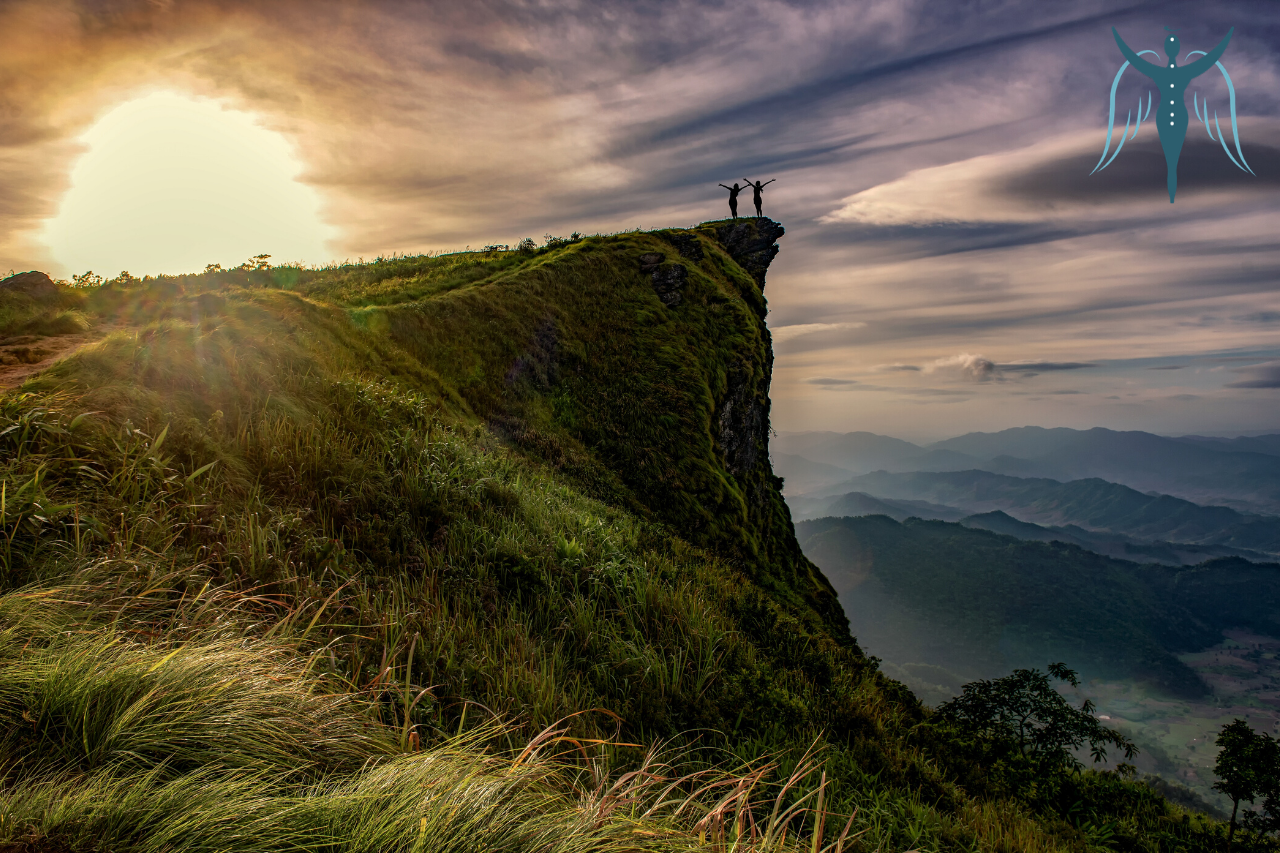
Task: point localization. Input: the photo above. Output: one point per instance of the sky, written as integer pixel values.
(949, 265)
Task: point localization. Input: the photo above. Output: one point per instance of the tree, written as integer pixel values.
(1248, 767)
(1032, 720)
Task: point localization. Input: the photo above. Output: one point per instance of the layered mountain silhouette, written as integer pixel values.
(1075, 511)
(1242, 473)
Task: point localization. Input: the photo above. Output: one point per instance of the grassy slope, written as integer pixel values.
(443, 491)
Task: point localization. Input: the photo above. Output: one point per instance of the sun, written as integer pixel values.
(171, 183)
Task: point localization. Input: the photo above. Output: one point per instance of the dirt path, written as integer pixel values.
(25, 356)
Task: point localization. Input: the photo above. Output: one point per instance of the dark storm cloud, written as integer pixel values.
(1140, 169)
(1041, 366)
(927, 240)
(1259, 376)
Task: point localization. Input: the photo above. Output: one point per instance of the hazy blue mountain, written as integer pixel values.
(1206, 473)
(861, 503)
(802, 475)
(1092, 504)
(1023, 442)
(856, 451)
(1001, 522)
(1152, 463)
(1108, 544)
(936, 459)
(1268, 444)
(977, 603)
(1242, 473)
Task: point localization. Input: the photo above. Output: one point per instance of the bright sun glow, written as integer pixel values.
(170, 184)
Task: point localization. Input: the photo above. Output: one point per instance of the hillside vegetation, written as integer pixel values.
(478, 551)
(994, 602)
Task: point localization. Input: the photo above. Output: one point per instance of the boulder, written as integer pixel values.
(33, 284)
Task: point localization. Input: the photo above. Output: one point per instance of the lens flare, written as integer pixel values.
(171, 183)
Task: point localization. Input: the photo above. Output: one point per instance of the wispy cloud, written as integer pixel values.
(1259, 376)
(967, 366)
(932, 160)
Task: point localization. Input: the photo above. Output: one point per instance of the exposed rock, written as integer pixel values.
(668, 281)
(34, 284)
(649, 262)
(685, 243)
(743, 423)
(752, 243)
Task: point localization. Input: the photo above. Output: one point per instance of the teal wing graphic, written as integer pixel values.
(1241, 164)
(1111, 118)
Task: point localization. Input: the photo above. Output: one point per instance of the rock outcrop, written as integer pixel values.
(33, 284)
(752, 243)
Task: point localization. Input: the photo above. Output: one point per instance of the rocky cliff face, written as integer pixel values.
(742, 419)
(743, 413)
(752, 243)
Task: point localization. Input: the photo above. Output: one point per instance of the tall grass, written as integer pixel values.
(302, 569)
(232, 745)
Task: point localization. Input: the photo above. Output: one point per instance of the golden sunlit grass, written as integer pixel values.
(417, 555)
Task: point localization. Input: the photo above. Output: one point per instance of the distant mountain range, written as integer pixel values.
(1106, 517)
(1242, 473)
(948, 598)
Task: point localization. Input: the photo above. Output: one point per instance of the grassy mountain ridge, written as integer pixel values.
(558, 358)
(438, 493)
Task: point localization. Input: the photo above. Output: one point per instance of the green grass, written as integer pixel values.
(308, 559)
(229, 744)
(23, 316)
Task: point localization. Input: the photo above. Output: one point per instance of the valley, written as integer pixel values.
(1166, 607)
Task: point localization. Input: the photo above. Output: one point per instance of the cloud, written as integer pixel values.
(948, 147)
(1041, 366)
(822, 380)
(974, 368)
(1168, 367)
(1265, 375)
(1049, 182)
(1259, 317)
(789, 333)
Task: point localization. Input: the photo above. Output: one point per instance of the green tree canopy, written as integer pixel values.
(1248, 767)
(1025, 713)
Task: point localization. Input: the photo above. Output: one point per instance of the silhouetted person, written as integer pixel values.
(757, 189)
(733, 197)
